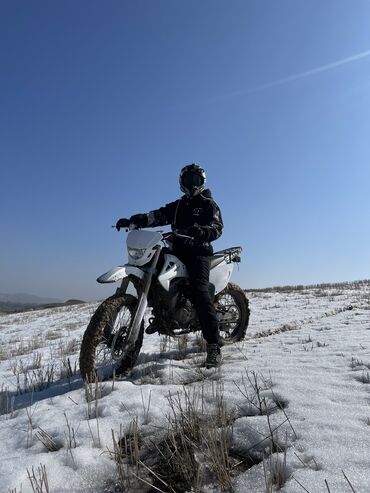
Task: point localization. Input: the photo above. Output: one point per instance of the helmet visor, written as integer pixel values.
(189, 180)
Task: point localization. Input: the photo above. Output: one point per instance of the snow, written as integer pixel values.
(309, 349)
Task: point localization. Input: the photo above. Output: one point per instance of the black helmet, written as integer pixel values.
(192, 179)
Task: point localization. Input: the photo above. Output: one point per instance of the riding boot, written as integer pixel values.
(152, 328)
(213, 356)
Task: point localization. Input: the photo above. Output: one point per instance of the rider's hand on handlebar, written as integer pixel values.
(195, 231)
(140, 220)
(137, 220)
(184, 240)
(122, 223)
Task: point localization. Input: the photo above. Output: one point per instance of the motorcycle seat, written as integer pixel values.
(231, 254)
(216, 259)
(228, 251)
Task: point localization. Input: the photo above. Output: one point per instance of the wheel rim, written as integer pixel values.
(111, 350)
(228, 314)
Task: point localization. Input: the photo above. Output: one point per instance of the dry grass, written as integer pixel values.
(126, 455)
(51, 335)
(358, 364)
(364, 377)
(72, 325)
(252, 388)
(70, 443)
(7, 402)
(29, 379)
(200, 343)
(3, 354)
(36, 375)
(164, 346)
(70, 347)
(275, 471)
(93, 393)
(147, 372)
(182, 347)
(47, 440)
(67, 370)
(193, 451)
(39, 480)
(197, 447)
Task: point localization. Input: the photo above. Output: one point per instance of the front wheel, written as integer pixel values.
(103, 348)
(232, 307)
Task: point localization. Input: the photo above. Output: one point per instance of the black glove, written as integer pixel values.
(122, 223)
(181, 241)
(196, 231)
(140, 220)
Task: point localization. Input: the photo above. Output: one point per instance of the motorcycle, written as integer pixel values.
(114, 336)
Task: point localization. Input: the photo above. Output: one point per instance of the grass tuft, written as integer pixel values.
(39, 480)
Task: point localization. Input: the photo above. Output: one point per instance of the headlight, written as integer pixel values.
(136, 253)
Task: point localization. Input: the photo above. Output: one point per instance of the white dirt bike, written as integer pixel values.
(114, 336)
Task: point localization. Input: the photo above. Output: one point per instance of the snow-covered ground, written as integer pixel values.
(296, 392)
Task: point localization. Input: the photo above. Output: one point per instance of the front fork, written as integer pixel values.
(143, 300)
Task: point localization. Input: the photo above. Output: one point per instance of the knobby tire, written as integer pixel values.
(93, 336)
(242, 303)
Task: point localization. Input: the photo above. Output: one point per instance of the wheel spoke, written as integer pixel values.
(229, 314)
(111, 348)
(103, 348)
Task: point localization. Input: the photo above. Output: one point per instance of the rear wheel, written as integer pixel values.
(232, 307)
(103, 347)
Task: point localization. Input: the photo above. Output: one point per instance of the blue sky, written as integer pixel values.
(102, 103)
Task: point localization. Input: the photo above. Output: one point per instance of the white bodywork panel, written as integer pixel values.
(120, 272)
(173, 267)
(139, 238)
(142, 240)
(220, 275)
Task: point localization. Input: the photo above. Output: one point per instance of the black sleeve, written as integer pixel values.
(163, 215)
(213, 230)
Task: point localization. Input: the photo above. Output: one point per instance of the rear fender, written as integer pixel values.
(120, 272)
(220, 275)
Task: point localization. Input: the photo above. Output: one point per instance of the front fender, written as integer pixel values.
(120, 272)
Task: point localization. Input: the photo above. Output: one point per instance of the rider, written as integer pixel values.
(198, 216)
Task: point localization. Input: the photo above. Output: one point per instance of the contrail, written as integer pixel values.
(302, 75)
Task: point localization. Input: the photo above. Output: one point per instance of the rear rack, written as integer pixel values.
(233, 253)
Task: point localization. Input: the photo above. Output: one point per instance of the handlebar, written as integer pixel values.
(166, 236)
(130, 227)
(170, 234)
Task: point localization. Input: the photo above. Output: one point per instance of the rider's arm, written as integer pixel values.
(158, 217)
(213, 230)
(162, 216)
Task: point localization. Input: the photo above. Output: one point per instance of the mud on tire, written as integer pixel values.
(95, 334)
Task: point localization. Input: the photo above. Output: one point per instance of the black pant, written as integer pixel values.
(198, 270)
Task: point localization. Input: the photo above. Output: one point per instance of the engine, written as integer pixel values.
(183, 312)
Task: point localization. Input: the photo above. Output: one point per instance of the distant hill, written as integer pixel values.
(21, 302)
(28, 299)
(301, 287)
(9, 307)
(65, 303)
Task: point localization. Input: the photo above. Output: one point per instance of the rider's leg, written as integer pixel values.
(153, 326)
(198, 269)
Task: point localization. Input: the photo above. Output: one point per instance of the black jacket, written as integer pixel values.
(185, 212)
